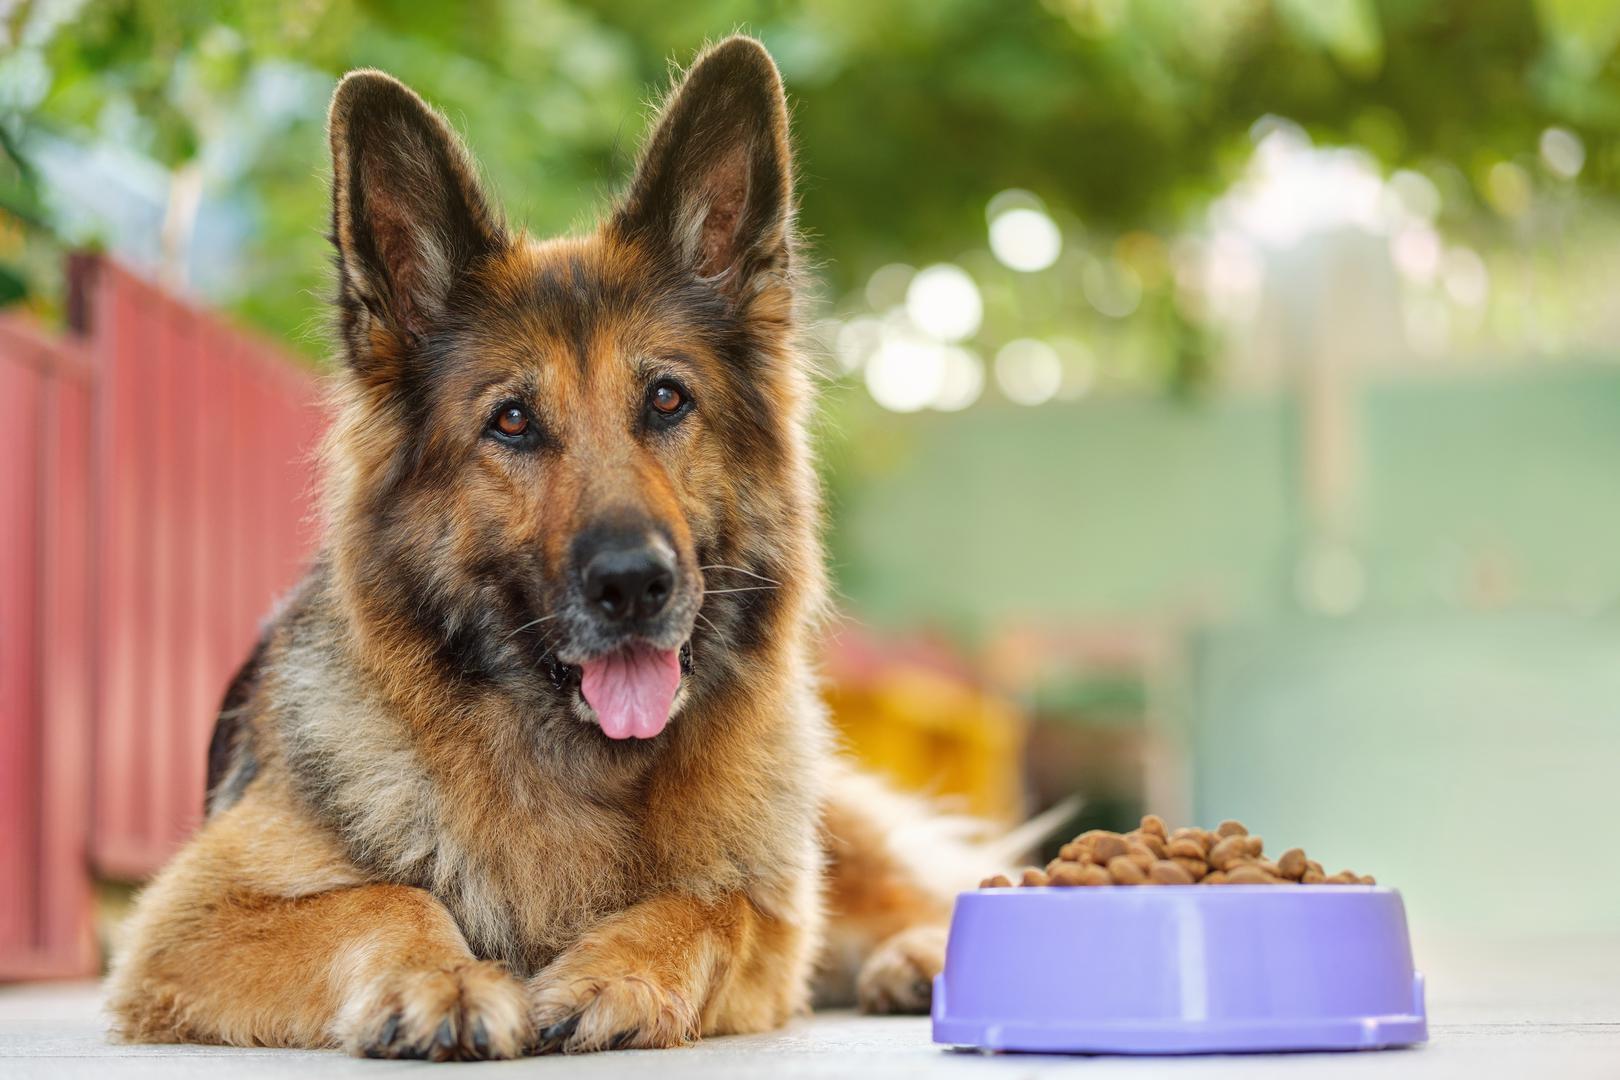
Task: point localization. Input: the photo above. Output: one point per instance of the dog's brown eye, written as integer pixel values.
(667, 398)
(512, 421)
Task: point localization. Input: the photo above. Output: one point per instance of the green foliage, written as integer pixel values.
(909, 114)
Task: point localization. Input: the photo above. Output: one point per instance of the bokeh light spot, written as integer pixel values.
(1025, 239)
(944, 302)
(1028, 371)
(1562, 152)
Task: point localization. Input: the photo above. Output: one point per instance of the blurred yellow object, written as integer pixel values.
(935, 734)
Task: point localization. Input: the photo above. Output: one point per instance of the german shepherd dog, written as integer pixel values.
(533, 758)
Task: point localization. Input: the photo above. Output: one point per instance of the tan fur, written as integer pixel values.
(404, 855)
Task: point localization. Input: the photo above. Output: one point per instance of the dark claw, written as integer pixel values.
(561, 1029)
(622, 1039)
(480, 1036)
(390, 1030)
(444, 1038)
(922, 990)
(553, 1037)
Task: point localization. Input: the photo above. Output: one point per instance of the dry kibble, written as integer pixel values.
(1248, 874)
(1074, 873)
(1227, 852)
(1107, 847)
(1092, 874)
(1368, 879)
(1140, 855)
(1154, 854)
(1125, 871)
(1165, 872)
(1185, 848)
(1196, 868)
(1064, 872)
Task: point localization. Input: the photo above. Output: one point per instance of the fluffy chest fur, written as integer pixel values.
(529, 839)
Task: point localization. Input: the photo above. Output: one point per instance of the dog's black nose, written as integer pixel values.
(630, 582)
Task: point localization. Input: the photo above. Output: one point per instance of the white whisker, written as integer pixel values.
(526, 625)
(740, 570)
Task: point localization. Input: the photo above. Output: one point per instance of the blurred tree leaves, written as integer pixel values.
(909, 113)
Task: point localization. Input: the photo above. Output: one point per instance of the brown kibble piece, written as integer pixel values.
(1368, 879)
(1125, 872)
(1153, 823)
(1248, 874)
(1141, 855)
(1216, 878)
(1073, 873)
(1185, 848)
(997, 881)
(1344, 877)
(1231, 828)
(1253, 846)
(1063, 872)
(1034, 876)
(1292, 864)
(1148, 840)
(1196, 868)
(1227, 852)
(1165, 872)
(1312, 864)
(1107, 847)
(1311, 877)
(1269, 867)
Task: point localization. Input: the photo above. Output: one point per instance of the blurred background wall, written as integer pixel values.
(1221, 400)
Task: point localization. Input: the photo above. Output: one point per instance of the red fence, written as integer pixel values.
(44, 649)
(156, 499)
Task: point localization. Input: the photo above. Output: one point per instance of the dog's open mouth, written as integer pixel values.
(631, 690)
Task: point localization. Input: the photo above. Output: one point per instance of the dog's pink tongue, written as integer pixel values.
(632, 690)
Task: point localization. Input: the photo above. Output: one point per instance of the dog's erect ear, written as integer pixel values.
(408, 216)
(715, 183)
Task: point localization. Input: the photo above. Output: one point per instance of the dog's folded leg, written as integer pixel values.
(253, 937)
(669, 969)
(894, 866)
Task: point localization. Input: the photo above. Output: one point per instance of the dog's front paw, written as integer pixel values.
(899, 975)
(580, 1006)
(472, 1012)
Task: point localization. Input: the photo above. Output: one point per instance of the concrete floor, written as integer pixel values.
(1549, 1009)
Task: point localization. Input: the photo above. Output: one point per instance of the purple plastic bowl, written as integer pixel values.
(1179, 969)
